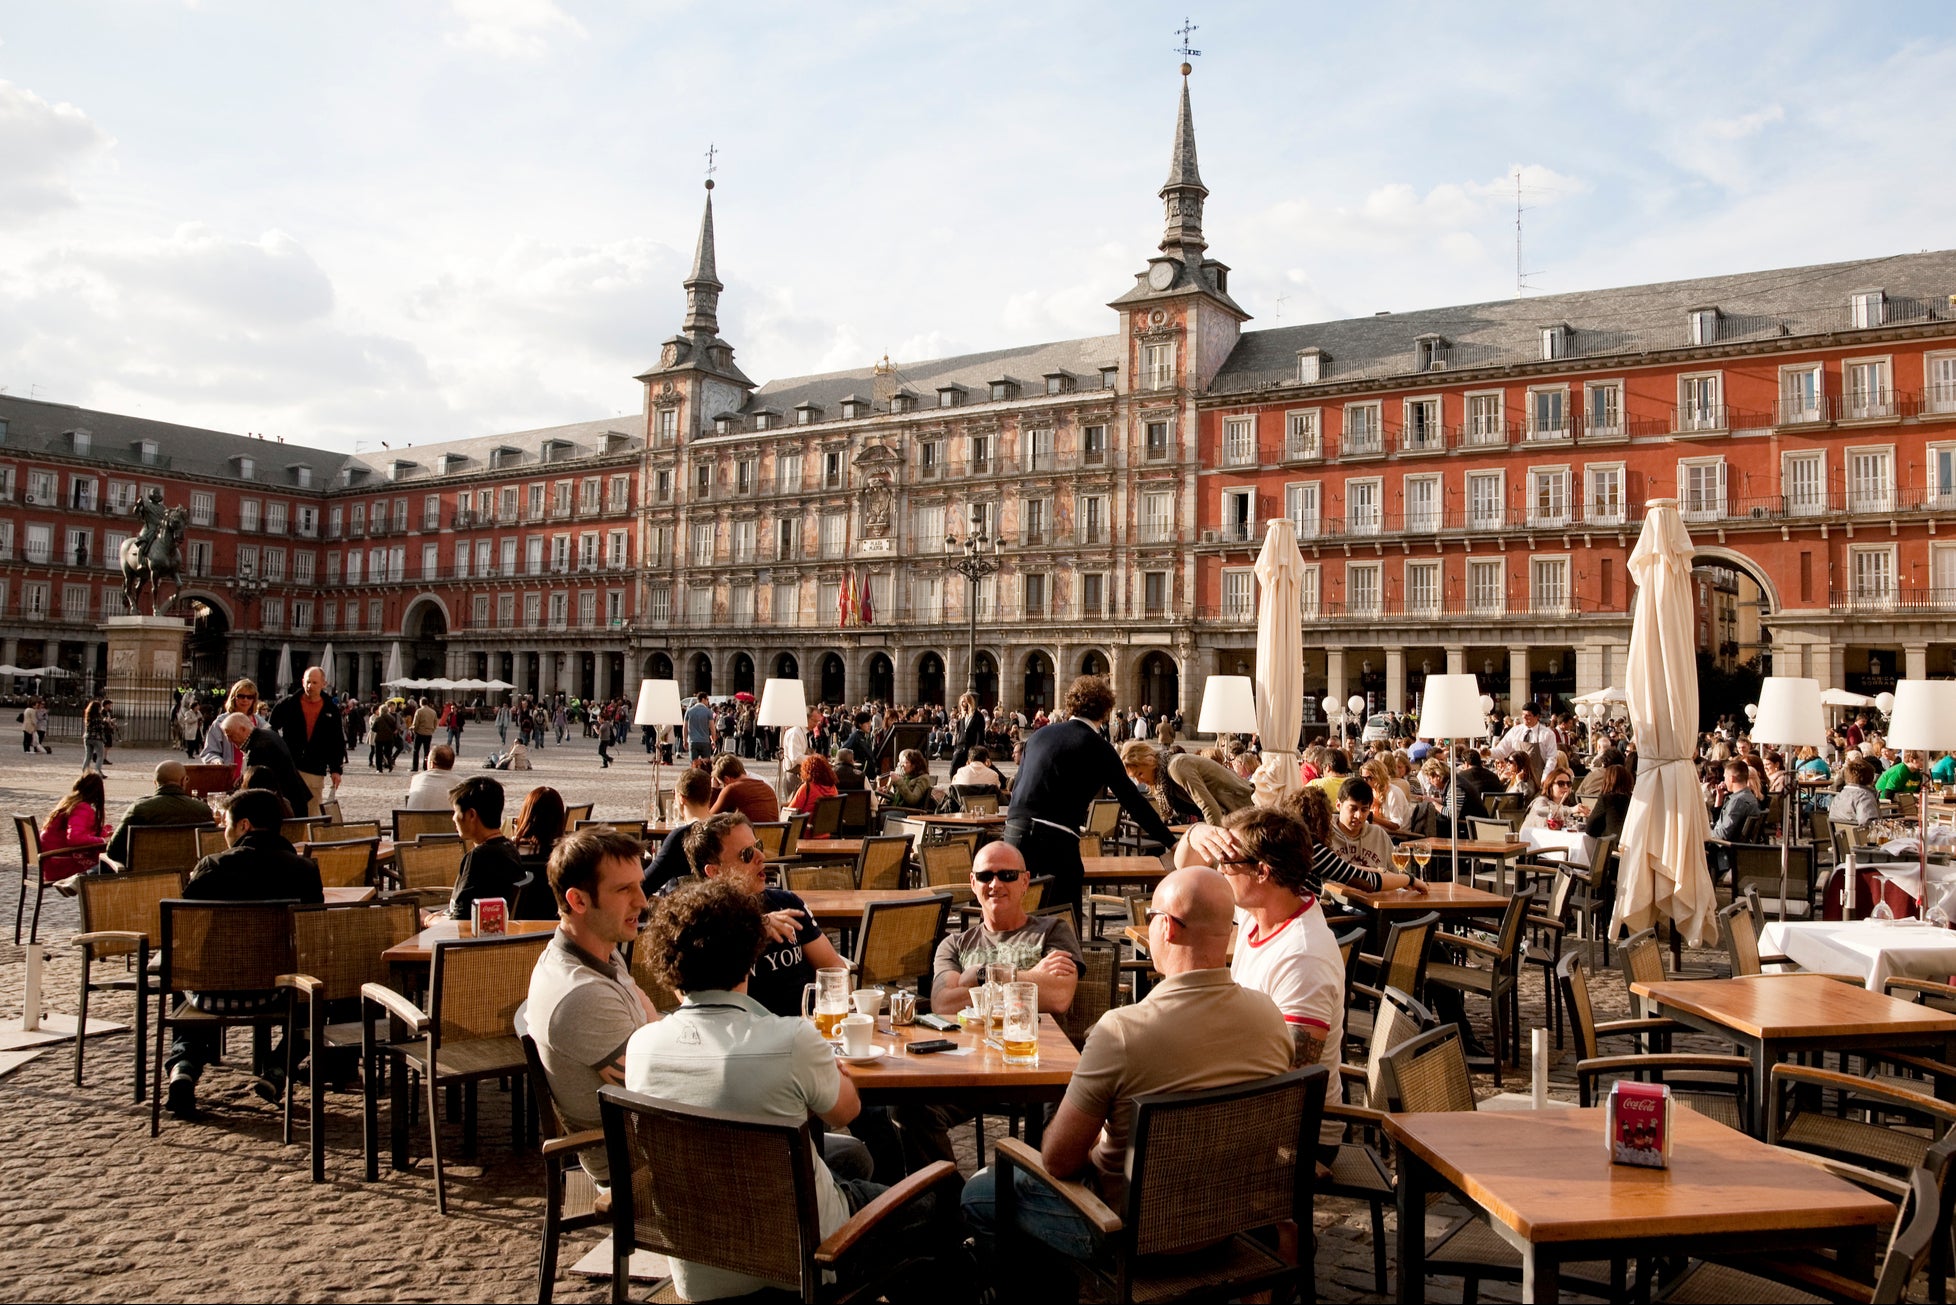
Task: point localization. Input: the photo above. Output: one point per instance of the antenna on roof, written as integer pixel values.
(1521, 277)
(1280, 306)
(1186, 30)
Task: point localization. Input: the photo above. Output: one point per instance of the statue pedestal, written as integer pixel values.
(145, 671)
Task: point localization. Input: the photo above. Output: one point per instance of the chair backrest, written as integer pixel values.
(1429, 1073)
(1399, 1020)
(1404, 957)
(1512, 920)
(342, 830)
(1599, 859)
(1758, 867)
(163, 847)
(1204, 1166)
(28, 830)
(126, 903)
(1754, 828)
(1490, 831)
(341, 946)
(1820, 830)
(1914, 1236)
(1090, 845)
(1905, 805)
(1036, 887)
(772, 836)
(1502, 806)
(478, 983)
(1739, 923)
(677, 1201)
(1557, 905)
(409, 825)
(898, 938)
(796, 821)
(1103, 816)
(348, 864)
(300, 829)
(880, 864)
(826, 820)
(1574, 982)
(209, 841)
(854, 820)
(573, 814)
(548, 1114)
(828, 877)
(979, 804)
(946, 865)
(329, 811)
(429, 864)
(1096, 993)
(648, 978)
(218, 947)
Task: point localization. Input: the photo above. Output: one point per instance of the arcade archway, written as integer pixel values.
(1038, 686)
(930, 679)
(426, 628)
(882, 679)
(1159, 681)
(743, 673)
(702, 677)
(834, 679)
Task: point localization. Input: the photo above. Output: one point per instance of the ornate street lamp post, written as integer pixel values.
(249, 588)
(974, 557)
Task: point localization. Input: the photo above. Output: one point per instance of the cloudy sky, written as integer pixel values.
(352, 220)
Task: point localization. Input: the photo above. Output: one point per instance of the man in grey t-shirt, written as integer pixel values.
(583, 1006)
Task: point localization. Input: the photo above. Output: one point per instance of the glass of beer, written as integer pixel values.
(1422, 854)
(999, 975)
(826, 1001)
(1021, 1013)
(1402, 857)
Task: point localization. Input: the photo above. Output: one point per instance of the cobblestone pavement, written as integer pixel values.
(220, 1210)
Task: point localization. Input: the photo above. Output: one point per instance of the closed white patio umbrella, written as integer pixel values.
(1661, 861)
(326, 664)
(393, 675)
(284, 676)
(1279, 661)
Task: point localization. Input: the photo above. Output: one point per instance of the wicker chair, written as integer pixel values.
(467, 1034)
(571, 1201)
(825, 821)
(410, 825)
(882, 861)
(1543, 934)
(573, 814)
(1756, 869)
(1401, 964)
(1207, 1172)
(796, 822)
(209, 841)
(818, 878)
(349, 864)
(1859, 1141)
(979, 804)
(341, 831)
(329, 811)
(29, 831)
(897, 940)
(1103, 817)
(428, 866)
(1718, 1086)
(303, 829)
(856, 810)
(772, 837)
(947, 867)
(1097, 992)
(336, 951)
(122, 915)
(677, 1200)
(218, 949)
(162, 847)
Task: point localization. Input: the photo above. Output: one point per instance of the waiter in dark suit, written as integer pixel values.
(258, 746)
(971, 732)
(1066, 766)
(309, 724)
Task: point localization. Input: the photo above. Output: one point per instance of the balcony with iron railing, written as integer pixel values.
(1883, 598)
(1402, 607)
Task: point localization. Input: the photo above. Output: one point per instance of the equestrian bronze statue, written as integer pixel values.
(155, 554)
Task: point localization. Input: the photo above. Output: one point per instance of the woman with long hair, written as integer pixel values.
(541, 823)
(95, 736)
(817, 782)
(76, 831)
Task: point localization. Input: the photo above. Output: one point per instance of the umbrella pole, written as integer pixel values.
(1785, 862)
(1453, 826)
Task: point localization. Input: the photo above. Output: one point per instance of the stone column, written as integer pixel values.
(546, 673)
(1336, 685)
(145, 662)
(603, 686)
(903, 683)
(1395, 690)
(1517, 676)
(1835, 675)
(1456, 659)
(1592, 667)
(1915, 657)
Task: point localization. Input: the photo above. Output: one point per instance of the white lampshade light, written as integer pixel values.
(1228, 706)
(1451, 708)
(1355, 704)
(1885, 702)
(1752, 711)
(1487, 708)
(1924, 716)
(658, 703)
(1330, 706)
(782, 705)
(1788, 713)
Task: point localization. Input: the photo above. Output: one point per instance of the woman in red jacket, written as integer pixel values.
(817, 782)
(76, 831)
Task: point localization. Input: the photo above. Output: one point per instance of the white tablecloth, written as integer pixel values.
(1879, 950)
(1580, 846)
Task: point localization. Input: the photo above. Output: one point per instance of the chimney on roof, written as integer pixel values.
(883, 384)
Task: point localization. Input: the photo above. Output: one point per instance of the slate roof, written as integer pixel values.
(1029, 365)
(1630, 319)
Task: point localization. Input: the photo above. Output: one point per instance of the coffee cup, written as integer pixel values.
(858, 1032)
(868, 1001)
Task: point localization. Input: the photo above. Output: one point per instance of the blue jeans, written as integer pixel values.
(95, 753)
(1042, 1215)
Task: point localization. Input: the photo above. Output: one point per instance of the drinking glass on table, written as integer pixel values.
(826, 1001)
(999, 975)
(1422, 854)
(1021, 1024)
(1402, 856)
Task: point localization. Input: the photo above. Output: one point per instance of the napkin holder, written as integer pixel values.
(1637, 1127)
(488, 915)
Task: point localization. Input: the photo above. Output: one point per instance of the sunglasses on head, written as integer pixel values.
(1003, 876)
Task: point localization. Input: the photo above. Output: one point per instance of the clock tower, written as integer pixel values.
(1181, 299)
(695, 376)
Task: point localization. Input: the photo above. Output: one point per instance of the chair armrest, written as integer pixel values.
(1354, 1114)
(1940, 1069)
(571, 1143)
(864, 1221)
(1864, 1088)
(396, 1005)
(107, 936)
(1366, 990)
(1084, 1200)
(1544, 922)
(1895, 1187)
(1466, 944)
(304, 984)
(1624, 1028)
(1672, 1060)
(1374, 961)
(1107, 899)
(1927, 987)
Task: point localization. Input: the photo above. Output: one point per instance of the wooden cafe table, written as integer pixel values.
(1546, 1185)
(1505, 852)
(842, 908)
(350, 896)
(1454, 902)
(1146, 871)
(1776, 1015)
(973, 1074)
(404, 958)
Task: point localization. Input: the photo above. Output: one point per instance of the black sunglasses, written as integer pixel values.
(1003, 876)
(1153, 915)
(752, 852)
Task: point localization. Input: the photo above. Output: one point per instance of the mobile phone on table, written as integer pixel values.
(926, 1048)
(938, 1022)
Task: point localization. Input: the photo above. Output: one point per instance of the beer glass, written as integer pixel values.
(1021, 1019)
(1422, 854)
(998, 976)
(1402, 856)
(826, 1000)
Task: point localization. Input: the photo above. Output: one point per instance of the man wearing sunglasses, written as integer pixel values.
(1041, 949)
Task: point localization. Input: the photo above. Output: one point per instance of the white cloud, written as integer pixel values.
(42, 144)
(1746, 124)
(518, 29)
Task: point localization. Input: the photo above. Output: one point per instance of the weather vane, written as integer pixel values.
(711, 150)
(1186, 30)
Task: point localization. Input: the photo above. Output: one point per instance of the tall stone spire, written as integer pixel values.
(1184, 192)
(702, 283)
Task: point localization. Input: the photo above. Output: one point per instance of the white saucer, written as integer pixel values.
(875, 1053)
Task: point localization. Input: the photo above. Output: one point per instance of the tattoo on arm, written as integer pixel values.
(1306, 1047)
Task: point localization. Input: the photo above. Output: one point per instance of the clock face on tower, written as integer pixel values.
(1161, 275)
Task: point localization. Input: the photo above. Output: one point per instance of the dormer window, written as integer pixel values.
(146, 452)
(1004, 388)
(1059, 382)
(763, 420)
(1704, 326)
(346, 475)
(302, 476)
(950, 396)
(1310, 366)
(1429, 353)
(852, 408)
(247, 469)
(506, 457)
(558, 450)
(1109, 377)
(903, 401)
(1555, 342)
(723, 425)
(807, 414)
(80, 440)
(1868, 308)
(399, 468)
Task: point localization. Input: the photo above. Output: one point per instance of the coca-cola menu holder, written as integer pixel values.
(1638, 1125)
